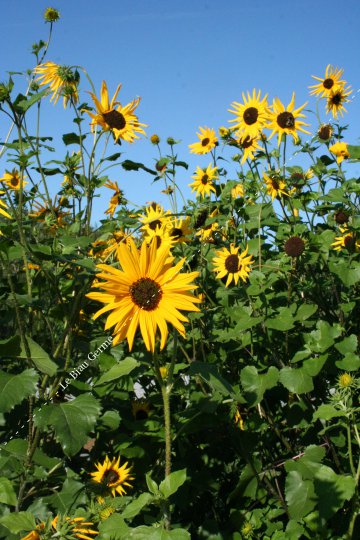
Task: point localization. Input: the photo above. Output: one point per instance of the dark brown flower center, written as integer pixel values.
(232, 264)
(250, 115)
(275, 183)
(294, 246)
(205, 141)
(246, 142)
(328, 83)
(146, 293)
(155, 223)
(114, 119)
(204, 179)
(110, 477)
(14, 181)
(176, 233)
(201, 219)
(349, 241)
(325, 132)
(341, 217)
(141, 414)
(336, 98)
(286, 120)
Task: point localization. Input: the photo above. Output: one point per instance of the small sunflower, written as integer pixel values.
(248, 145)
(336, 99)
(160, 235)
(112, 116)
(34, 535)
(325, 132)
(140, 409)
(232, 264)
(43, 213)
(208, 141)
(274, 185)
(13, 179)
(331, 79)
(237, 191)
(77, 527)
(284, 120)
(348, 241)
(116, 199)
(112, 476)
(180, 229)
(62, 81)
(2, 206)
(206, 231)
(203, 181)
(148, 292)
(155, 216)
(340, 150)
(252, 115)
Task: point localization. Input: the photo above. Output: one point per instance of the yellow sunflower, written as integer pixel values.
(13, 179)
(237, 191)
(206, 232)
(348, 241)
(160, 235)
(111, 116)
(148, 292)
(2, 206)
(232, 264)
(208, 141)
(34, 535)
(77, 527)
(340, 150)
(203, 184)
(274, 185)
(248, 146)
(326, 85)
(62, 81)
(43, 213)
(179, 229)
(252, 115)
(155, 216)
(336, 99)
(116, 199)
(113, 477)
(284, 120)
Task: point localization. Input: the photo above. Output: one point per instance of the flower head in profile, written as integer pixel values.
(148, 292)
(233, 265)
(77, 527)
(285, 120)
(325, 132)
(327, 83)
(112, 116)
(238, 191)
(52, 216)
(112, 477)
(251, 116)
(35, 534)
(62, 81)
(274, 185)
(116, 199)
(336, 99)
(208, 141)
(203, 181)
(348, 240)
(13, 179)
(340, 150)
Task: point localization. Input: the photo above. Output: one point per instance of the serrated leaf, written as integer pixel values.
(72, 495)
(296, 381)
(327, 412)
(7, 493)
(135, 507)
(113, 528)
(18, 522)
(124, 367)
(15, 388)
(256, 384)
(40, 358)
(72, 421)
(172, 482)
(333, 490)
(300, 495)
(349, 274)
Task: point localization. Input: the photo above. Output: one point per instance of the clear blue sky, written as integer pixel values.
(188, 60)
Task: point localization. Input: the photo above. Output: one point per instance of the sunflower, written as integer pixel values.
(160, 235)
(248, 145)
(203, 184)
(116, 199)
(274, 185)
(348, 241)
(336, 99)
(62, 81)
(326, 85)
(206, 232)
(284, 120)
(340, 150)
(34, 535)
(252, 115)
(122, 121)
(208, 141)
(77, 527)
(112, 476)
(325, 132)
(148, 292)
(237, 191)
(140, 409)
(113, 242)
(180, 229)
(154, 217)
(53, 219)
(2, 206)
(13, 179)
(229, 262)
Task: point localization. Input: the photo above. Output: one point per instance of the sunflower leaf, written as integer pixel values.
(121, 369)
(15, 388)
(172, 482)
(17, 522)
(7, 493)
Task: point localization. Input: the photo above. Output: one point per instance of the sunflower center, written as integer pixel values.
(114, 119)
(110, 477)
(155, 223)
(141, 415)
(205, 141)
(336, 99)
(204, 179)
(247, 142)
(14, 181)
(146, 293)
(286, 120)
(176, 233)
(250, 115)
(232, 264)
(328, 83)
(275, 183)
(349, 241)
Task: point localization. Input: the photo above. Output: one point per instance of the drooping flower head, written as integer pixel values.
(327, 83)
(237, 191)
(231, 263)
(203, 181)
(148, 292)
(285, 120)
(208, 141)
(62, 81)
(340, 150)
(116, 199)
(113, 477)
(251, 116)
(112, 116)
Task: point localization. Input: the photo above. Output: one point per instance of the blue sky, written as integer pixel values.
(188, 61)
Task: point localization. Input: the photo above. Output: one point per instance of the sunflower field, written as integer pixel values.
(180, 371)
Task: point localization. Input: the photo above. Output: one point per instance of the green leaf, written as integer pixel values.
(255, 384)
(152, 533)
(72, 138)
(18, 448)
(349, 274)
(300, 495)
(124, 367)
(113, 157)
(129, 165)
(23, 103)
(305, 311)
(72, 421)
(135, 507)
(40, 358)
(327, 412)
(347, 345)
(210, 374)
(354, 151)
(323, 337)
(314, 365)
(113, 528)
(172, 482)
(333, 490)
(7, 493)
(10, 347)
(17, 522)
(71, 496)
(296, 381)
(283, 321)
(350, 362)
(152, 485)
(15, 388)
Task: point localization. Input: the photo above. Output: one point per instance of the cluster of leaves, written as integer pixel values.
(264, 394)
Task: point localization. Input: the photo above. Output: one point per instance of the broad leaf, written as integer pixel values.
(172, 482)
(256, 384)
(15, 388)
(124, 367)
(7, 493)
(300, 495)
(17, 522)
(296, 380)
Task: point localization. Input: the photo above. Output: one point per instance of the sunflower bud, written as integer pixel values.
(51, 15)
(324, 132)
(155, 139)
(170, 141)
